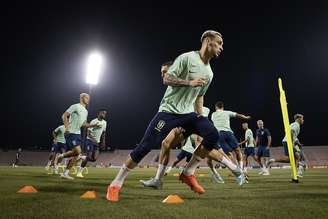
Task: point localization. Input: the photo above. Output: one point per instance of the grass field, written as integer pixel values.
(264, 197)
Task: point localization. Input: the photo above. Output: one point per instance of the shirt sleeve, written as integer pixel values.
(179, 65)
(105, 123)
(268, 132)
(71, 109)
(232, 114)
(248, 135)
(57, 129)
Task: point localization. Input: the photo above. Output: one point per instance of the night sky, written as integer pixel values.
(44, 47)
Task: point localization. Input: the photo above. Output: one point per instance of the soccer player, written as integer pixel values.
(263, 143)
(58, 147)
(18, 154)
(187, 151)
(249, 144)
(227, 139)
(188, 78)
(295, 128)
(96, 135)
(74, 118)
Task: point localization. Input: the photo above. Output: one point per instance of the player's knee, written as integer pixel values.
(77, 150)
(166, 144)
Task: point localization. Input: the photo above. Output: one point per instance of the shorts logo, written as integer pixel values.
(74, 142)
(160, 125)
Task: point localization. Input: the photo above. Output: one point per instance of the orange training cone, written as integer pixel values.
(173, 199)
(89, 195)
(27, 189)
(176, 174)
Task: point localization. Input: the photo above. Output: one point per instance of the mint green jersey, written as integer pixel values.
(221, 120)
(189, 144)
(59, 133)
(95, 132)
(78, 116)
(249, 137)
(296, 128)
(206, 111)
(181, 100)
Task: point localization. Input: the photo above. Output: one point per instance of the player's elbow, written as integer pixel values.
(165, 81)
(64, 116)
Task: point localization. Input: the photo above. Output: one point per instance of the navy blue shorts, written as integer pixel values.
(91, 146)
(249, 151)
(72, 140)
(58, 148)
(163, 123)
(184, 154)
(227, 141)
(284, 144)
(225, 148)
(263, 151)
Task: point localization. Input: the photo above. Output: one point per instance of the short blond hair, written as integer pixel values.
(210, 33)
(84, 94)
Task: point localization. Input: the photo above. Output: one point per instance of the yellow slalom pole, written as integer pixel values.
(284, 110)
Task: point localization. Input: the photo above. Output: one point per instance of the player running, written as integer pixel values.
(249, 145)
(227, 139)
(95, 136)
(58, 147)
(295, 128)
(188, 78)
(74, 118)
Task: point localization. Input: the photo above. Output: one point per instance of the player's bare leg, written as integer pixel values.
(74, 155)
(174, 138)
(216, 176)
(187, 176)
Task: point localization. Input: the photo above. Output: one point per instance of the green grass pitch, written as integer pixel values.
(264, 197)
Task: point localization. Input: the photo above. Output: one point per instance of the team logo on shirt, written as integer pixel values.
(160, 125)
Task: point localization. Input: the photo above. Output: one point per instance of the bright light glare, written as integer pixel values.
(94, 68)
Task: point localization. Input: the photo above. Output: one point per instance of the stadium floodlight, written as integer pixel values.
(94, 68)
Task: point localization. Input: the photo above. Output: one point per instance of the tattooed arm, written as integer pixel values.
(173, 81)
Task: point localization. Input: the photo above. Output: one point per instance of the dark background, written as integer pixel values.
(44, 47)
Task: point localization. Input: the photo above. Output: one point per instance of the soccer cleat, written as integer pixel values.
(152, 183)
(266, 173)
(217, 178)
(66, 176)
(113, 193)
(47, 167)
(191, 181)
(300, 172)
(55, 170)
(241, 180)
(79, 175)
(261, 172)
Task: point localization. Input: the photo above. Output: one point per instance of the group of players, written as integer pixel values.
(182, 119)
(67, 140)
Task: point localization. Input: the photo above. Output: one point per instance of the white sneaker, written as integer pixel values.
(266, 173)
(299, 173)
(66, 176)
(261, 172)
